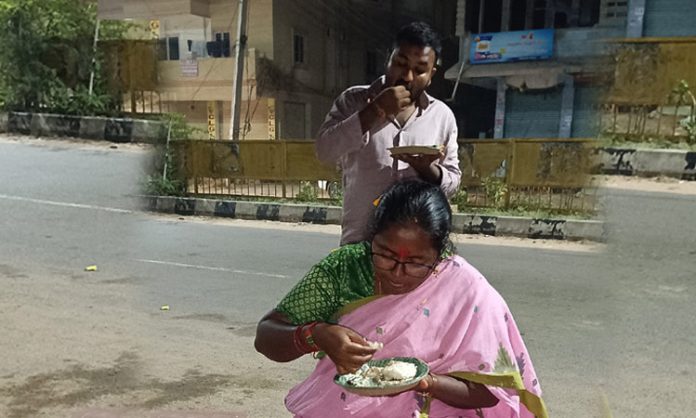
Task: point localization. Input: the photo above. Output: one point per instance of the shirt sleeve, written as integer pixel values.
(451, 173)
(341, 132)
(314, 298)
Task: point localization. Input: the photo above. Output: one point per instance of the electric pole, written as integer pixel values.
(240, 46)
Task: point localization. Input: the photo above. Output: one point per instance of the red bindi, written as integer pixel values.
(402, 252)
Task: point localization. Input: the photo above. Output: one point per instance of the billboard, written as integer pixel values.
(527, 45)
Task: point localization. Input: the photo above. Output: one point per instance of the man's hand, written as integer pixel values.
(425, 166)
(345, 347)
(393, 100)
(388, 103)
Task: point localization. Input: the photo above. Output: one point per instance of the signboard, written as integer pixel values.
(189, 68)
(498, 47)
(212, 128)
(271, 119)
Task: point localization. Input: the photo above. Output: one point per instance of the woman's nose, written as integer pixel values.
(398, 270)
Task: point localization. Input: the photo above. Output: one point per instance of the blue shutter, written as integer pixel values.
(585, 112)
(669, 18)
(533, 114)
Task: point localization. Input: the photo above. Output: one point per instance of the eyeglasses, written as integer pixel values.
(418, 270)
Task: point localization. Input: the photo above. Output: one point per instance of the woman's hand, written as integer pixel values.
(345, 347)
(455, 392)
(426, 384)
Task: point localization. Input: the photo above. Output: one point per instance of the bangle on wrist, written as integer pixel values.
(431, 386)
(304, 339)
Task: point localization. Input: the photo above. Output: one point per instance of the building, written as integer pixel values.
(533, 68)
(300, 55)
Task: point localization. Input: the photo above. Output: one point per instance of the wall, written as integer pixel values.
(149, 9)
(336, 38)
(584, 42)
(647, 71)
(260, 31)
(213, 82)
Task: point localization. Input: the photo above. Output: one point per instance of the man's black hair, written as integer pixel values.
(419, 34)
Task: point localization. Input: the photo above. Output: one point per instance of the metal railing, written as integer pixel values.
(529, 174)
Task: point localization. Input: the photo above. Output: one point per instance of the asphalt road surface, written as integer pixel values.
(611, 330)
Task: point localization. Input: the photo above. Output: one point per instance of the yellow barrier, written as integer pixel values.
(530, 173)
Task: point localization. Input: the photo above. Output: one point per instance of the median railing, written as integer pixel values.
(526, 174)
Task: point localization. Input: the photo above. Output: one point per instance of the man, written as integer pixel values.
(395, 110)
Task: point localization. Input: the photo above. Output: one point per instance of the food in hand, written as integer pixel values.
(375, 344)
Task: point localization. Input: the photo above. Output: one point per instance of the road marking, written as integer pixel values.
(211, 268)
(64, 204)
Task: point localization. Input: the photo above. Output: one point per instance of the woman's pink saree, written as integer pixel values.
(455, 322)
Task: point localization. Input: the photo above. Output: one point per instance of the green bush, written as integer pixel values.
(307, 193)
(496, 190)
(156, 185)
(461, 199)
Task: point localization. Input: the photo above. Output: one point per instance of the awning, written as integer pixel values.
(531, 75)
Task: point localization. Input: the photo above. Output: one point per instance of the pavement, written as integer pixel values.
(609, 325)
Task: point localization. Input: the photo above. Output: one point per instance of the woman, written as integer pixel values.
(402, 289)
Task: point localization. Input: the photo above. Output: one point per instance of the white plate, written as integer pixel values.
(417, 149)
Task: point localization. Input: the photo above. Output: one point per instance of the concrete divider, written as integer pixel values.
(648, 162)
(88, 127)
(462, 223)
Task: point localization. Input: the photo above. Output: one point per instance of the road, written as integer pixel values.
(611, 330)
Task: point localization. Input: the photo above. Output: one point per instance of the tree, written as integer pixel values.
(47, 56)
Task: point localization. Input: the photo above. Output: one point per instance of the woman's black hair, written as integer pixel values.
(419, 34)
(414, 201)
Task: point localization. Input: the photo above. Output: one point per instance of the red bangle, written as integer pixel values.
(307, 333)
(303, 338)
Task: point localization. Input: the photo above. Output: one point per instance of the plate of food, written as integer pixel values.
(384, 377)
(417, 149)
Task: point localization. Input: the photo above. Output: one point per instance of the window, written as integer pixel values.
(168, 48)
(173, 47)
(589, 13)
(298, 49)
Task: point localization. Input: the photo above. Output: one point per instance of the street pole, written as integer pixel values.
(94, 57)
(240, 46)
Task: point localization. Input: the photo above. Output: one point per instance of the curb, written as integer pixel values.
(120, 130)
(648, 162)
(462, 223)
